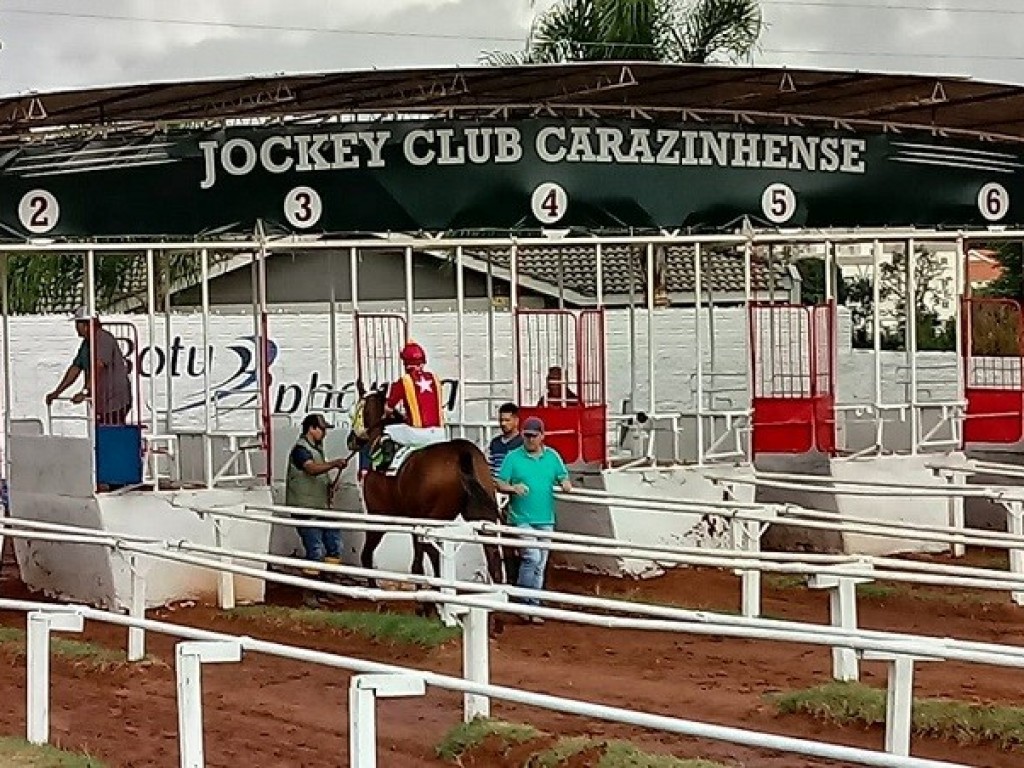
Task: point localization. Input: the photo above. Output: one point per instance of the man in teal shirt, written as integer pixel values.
(529, 475)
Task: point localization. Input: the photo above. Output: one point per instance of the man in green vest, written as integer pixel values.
(308, 484)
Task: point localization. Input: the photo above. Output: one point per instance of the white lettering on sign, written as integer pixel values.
(455, 146)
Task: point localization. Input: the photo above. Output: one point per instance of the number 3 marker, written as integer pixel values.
(303, 207)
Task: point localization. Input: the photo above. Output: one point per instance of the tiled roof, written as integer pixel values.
(722, 270)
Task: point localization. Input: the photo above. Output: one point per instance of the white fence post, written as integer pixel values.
(189, 658)
(956, 509)
(449, 551)
(842, 604)
(1015, 527)
(363, 692)
(747, 537)
(137, 610)
(476, 662)
(226, 580)
(899, 698)
(38, 660)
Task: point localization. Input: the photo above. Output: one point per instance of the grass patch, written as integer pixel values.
(874, 591)
(880, 591)
(15, 753)
(391, 628)
(466, 737)
(958, 721)
(75, 651)
(551, 752)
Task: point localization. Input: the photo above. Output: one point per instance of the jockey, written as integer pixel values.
(418, 395)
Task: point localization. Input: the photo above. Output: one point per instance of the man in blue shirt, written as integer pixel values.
(529, 475)
(508, 440)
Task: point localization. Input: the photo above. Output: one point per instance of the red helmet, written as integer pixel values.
(413, 354)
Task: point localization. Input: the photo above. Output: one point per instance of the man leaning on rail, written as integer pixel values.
(112, 399)
(308, 485)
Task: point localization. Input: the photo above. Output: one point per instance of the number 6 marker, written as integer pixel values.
(993, 201)
(39, 211)
(549, 203)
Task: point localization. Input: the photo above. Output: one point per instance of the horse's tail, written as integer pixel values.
(480, 503)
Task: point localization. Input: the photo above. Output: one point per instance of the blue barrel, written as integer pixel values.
(119, 454)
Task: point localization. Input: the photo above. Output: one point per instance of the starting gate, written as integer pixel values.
(793, 363)
(994, 386)
(560, 370)
(379, 339)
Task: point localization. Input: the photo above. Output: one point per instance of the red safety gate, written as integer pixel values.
(792, 351)
(379, 339)
(560, 368)
(994, 386)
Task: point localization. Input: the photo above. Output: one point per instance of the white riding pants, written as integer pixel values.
(403, 434)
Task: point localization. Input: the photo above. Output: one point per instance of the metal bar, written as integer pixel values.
(911, 345)
(698, 290)
(410, 292)
(204, 268)
(651, 390)
(460, 310)
(151, 321)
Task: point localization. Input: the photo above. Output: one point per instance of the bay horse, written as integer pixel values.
(436, 482)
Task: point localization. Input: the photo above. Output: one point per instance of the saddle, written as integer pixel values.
(388, 456)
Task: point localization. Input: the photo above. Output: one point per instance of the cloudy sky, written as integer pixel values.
(51, 44)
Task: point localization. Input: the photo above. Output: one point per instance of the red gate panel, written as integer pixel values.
(561, 373)
(792, 351)
(994, 386)
(379, 339)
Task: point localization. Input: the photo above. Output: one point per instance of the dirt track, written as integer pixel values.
(270, 712)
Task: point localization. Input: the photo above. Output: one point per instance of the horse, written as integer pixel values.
(436, 482)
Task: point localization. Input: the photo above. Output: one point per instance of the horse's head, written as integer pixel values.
(368, 420)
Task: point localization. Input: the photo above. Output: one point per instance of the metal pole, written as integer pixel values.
(698, 289)
(204, 266)
(876, 322)
(332, 332)
(460, 310)
(90, 308)
(911, 344)
(599, 275)
(748, 254)
(409, 292)
(631, 335)
(829, 275)
(6, 310)
(651, 391)
(960, 292)
(151, 319)
(513, 301)
(168, 340)
(490, 328)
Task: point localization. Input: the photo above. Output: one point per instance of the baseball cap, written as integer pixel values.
(533, 425)
(315, 420)
(82, 315)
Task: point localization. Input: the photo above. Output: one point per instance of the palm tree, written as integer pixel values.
(640, 30)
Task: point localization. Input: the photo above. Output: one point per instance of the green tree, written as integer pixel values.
(640, 30)
(812, 281)
(933, 291)
(1009, 285)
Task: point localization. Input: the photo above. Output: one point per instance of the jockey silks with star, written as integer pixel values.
(417, 394)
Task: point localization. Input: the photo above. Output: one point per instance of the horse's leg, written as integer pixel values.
(370, 543)
(419, 569)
